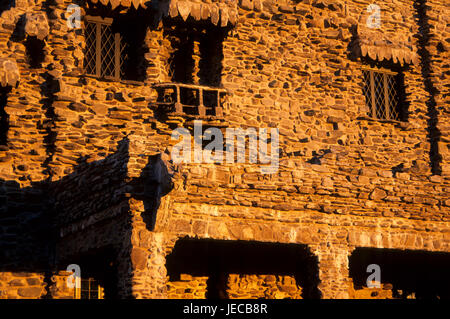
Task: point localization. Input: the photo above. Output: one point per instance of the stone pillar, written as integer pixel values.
(333, 270)
(149, 268)
(147, 257)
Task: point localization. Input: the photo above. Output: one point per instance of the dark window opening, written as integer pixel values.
(35, 51)
(384, 92)
(133, 28)
(190, 99)
(4, 117)
(211, 57)
(210, 98)
(167, 95)
(195, 70)
(217, 259)
(182, 64)
(197, 54)
(419, 274)
(98, 275)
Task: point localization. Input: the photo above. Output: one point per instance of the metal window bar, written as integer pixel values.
(104, 49)
(90, 289)
(381, 93)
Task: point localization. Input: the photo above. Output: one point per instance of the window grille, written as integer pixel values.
(90, 289)
(191, 99)
(382, 92)
(104, 54)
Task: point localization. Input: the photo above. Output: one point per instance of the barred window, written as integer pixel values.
(90, 289)
(383, 90)
(104, 55)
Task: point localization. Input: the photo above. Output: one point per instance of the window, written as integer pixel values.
(90, 289)
(197, 56)
(104, 55)
(383, 90)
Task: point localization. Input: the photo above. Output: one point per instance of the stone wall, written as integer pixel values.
(187, 287)
(265, 287)
(383, 292)
(238, 287)
(434, 48)
(21, 285)
(58, 288)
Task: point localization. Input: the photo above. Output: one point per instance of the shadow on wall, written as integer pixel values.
(6, 5)
(154, 183)
(31, 218)
(25, 227)
(217, 259)
(424, 35)
(422, 273)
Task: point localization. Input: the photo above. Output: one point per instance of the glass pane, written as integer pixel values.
(379, 95)
(393, 97)
(367, 91)
(108, 66)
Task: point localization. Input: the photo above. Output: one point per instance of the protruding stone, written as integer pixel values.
(378, 194)
(30, 292)
(9, 72)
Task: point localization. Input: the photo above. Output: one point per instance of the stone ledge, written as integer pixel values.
(401, 124)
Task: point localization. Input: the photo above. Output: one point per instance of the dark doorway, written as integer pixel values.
(418, 273)
(98, 272)
(217, 258)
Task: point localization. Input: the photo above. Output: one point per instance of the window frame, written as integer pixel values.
(98, 22)
(388, 111)
(90, 281)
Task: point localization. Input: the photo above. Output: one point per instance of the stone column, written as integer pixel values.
(148, 257)
(333, 270)
(142, 260)
(149, 264)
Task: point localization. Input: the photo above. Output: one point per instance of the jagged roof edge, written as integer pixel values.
(224, 13)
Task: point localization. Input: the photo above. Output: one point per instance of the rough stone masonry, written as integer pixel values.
(86, 177)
